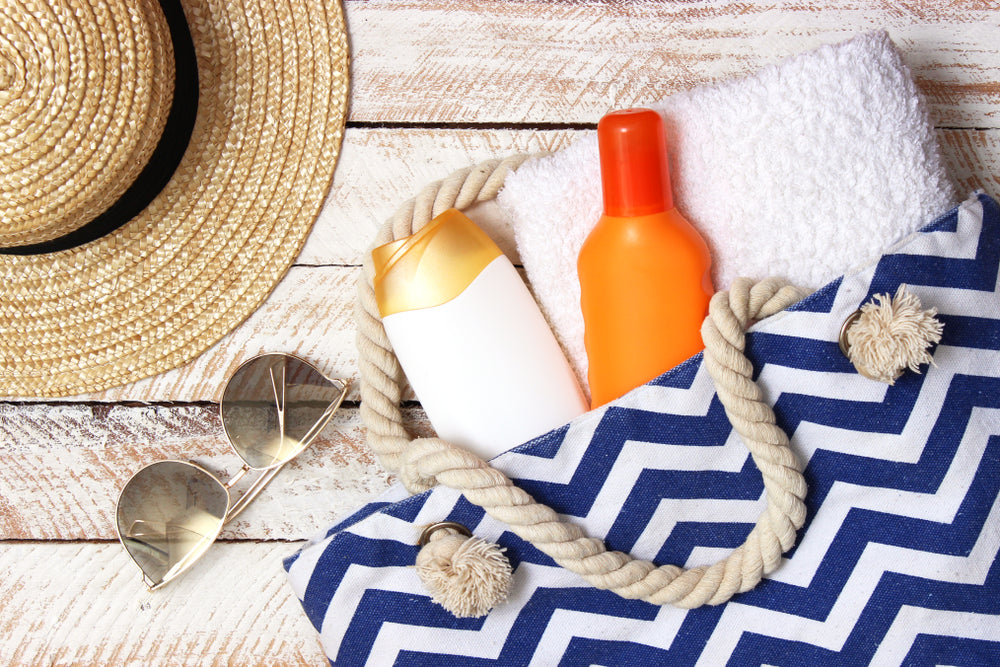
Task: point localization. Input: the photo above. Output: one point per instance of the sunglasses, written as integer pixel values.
(170, 512)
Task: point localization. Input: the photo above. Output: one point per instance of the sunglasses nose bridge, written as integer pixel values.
(240, 474)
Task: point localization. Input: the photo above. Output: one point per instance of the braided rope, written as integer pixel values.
(425, 462)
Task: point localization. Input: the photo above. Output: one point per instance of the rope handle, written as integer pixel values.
(425, 462)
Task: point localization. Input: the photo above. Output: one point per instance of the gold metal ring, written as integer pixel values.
(425, 536)
(845, 347)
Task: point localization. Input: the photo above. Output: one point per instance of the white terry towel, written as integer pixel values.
(803, 170)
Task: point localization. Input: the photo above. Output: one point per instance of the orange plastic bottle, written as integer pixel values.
(644, 270)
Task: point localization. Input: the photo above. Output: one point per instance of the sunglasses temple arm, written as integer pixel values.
(251, 493)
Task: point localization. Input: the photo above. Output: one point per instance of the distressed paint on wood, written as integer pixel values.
(381, 168)
(63, 466)
(570, 62)
(84, 604)
(973, 159)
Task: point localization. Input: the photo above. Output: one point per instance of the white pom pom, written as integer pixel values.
(467, 576)
(892, 335)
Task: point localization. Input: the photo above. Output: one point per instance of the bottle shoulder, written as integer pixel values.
(665, 234)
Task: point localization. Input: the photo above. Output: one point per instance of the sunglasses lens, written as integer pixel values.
(168, 514)
(274, 406)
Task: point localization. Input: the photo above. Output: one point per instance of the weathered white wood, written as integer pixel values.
(63, 466)
(570, 62)
(379, 169)
(84, 604)
(973, 159)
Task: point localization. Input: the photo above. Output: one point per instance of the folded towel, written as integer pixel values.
(803, 170)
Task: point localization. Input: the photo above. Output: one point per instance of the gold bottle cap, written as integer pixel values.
(432, 266)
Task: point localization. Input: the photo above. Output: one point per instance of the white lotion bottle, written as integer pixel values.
(477, 351)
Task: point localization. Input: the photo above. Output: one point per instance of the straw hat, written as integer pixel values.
(161, 164)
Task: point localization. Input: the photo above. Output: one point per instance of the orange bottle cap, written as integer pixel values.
(635, 172)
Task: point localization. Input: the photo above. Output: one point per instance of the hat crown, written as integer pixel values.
(213, 220)
(85, 91)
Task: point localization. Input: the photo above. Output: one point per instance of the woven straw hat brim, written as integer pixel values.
(154, 294)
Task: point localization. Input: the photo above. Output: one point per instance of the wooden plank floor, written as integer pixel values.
(436, 86)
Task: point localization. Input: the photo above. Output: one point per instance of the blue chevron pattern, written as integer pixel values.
(898, 562)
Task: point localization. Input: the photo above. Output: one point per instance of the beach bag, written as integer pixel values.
(894, 559)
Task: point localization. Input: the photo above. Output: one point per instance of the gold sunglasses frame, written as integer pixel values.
(235, 509)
